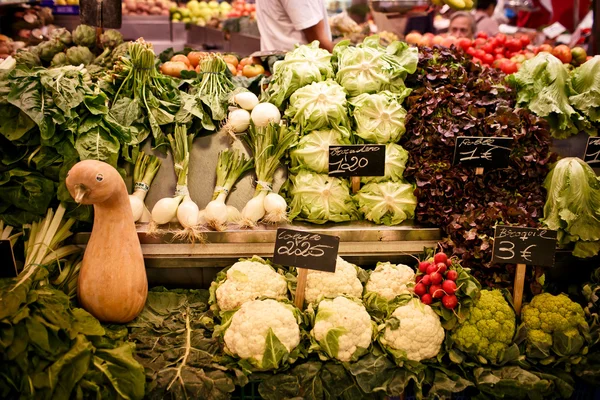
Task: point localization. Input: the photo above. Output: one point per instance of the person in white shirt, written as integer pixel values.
(285, 23)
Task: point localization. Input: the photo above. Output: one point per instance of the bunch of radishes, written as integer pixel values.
(436, 281)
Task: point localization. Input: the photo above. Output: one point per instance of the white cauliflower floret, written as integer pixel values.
(391, 280)
(250, 325)
(326, 284)
(351, 317)
(247, 281)
(420, 333)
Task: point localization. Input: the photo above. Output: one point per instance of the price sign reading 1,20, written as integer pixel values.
(516, 245)
(306, 250)
(485, 152)
(357, 160)
(592, 152)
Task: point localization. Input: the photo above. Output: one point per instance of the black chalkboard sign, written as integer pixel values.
(516, 245)
(485, 152)
(357, 160)
(8, 267)
(592, 152)
(306, 250)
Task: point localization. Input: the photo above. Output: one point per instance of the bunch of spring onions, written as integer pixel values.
(180, 207)
(215, 86)
(231, 165)
(68, 276)
(269, 144)
(146, 167)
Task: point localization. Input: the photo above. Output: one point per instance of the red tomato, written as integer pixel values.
(525, 41)
(501, 38)
(545, 47)
(480, 42)
(482, 35)
(563, 53)
(513, 45)
(499, 50)
(499, 56)
(498, 62)
(471, 51)
(488, 48)
(476, 60)
(508, 54)
(464, 43)
(509, 67)
(488, 59)
(479, 54)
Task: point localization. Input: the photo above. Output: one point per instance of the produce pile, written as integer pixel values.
(147, 7)
(201, 13)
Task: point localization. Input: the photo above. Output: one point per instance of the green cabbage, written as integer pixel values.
(573, 205)
(319, 105)
(387, 203)
(79, 55)
(319, 198)
(312, 151)
(370, 67)
(395, 164)
(585, 82)
(304, 65)
(542, 85)
(379, 117)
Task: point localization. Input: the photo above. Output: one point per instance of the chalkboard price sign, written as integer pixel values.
(8, 268)
(308, 250)
(592, 152)
(484, 152)
(517, 245)
(357, 160)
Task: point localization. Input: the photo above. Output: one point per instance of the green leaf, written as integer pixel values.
(275, 352)
(331, 344)
(97, 143)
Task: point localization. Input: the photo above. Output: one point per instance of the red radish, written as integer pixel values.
(431, 268)
(436, 278)
(418, 278)
(426, 299)
(426, 280)
(436, 291)
(440, 258)
(420, 289)
(449, 262)
(449, 286)
(423, 266)
(441, 267)
(452, 275)
(450, 301)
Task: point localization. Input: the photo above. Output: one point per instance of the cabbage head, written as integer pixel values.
(370, 67)
(387, 203)
(319, 198)
(319, 105)
(395, 164)
(312, 151)
(585, 82)
(79, 55)
(304, 65)
(85, 35)
(379, 118)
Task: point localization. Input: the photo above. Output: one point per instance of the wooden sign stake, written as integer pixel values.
(479, 171)
(519, 287)
(355, 180)
(301, 288)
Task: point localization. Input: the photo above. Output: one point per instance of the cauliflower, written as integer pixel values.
(249, 280)
(490, 328)
(414, 329)
(264, 332)
(390, 280)
(342, 328)
(547, 315)
(326, 284)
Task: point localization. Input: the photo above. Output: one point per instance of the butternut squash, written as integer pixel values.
(112, 283)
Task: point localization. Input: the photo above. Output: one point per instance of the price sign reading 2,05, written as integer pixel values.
(516, 245)
(357, 160)
(306, 250)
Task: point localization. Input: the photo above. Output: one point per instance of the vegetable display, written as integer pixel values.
(379, 117)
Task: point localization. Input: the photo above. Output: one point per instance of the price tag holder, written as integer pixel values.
(523, 246)
(482, 152)
(357, 160)
(8, 265)
(592, 152)
(305, 250)
(554, 30)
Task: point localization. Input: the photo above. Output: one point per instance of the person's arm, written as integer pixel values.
(317, 32)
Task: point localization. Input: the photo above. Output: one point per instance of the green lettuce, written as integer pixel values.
(304, 65)
(319, 105)
(312, 151)
(387, 203)
(395, 164)
(379, 117)
(585, 83)
(573, 205)
(370, 67)
(319, 198)
(542, 85)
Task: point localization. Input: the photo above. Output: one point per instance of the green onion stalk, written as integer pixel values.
(215, 86)
(231, 165)
(269, 144)
(146, 167)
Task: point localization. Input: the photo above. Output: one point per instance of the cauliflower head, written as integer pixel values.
(390, 280)
(263, 332)
(326, 284)
(548, 314)
(249, 280)
(490, 328)
(342, 328)
(414, 329)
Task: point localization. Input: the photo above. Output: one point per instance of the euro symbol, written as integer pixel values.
(526, 254)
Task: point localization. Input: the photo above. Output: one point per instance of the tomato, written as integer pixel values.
(513, 45)
(464, 43)
(413, 38)
(488, 59)
(500, 38)
(476, 60)
(498, 62)
(252, 70)
(579, 56)
(508, 54)
(448, 41)
(471, 51)
(509, 67)
(479, 54)
(563, 53)
(519, 58)
(499, 50)
(499, 57)
(482, 35)
(231, 59)
(529, 55)
(525, 41)
(437, 39)
(545, 47)
(480, 42)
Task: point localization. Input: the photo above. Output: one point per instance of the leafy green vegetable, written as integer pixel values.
(585, 83)
(387, 203)
(48, 49)
(79, 55)
(25, 190)
(312, 151)
(85, 35)
(379, 117)
(573, 206)
(395, 164)
(27, 58)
